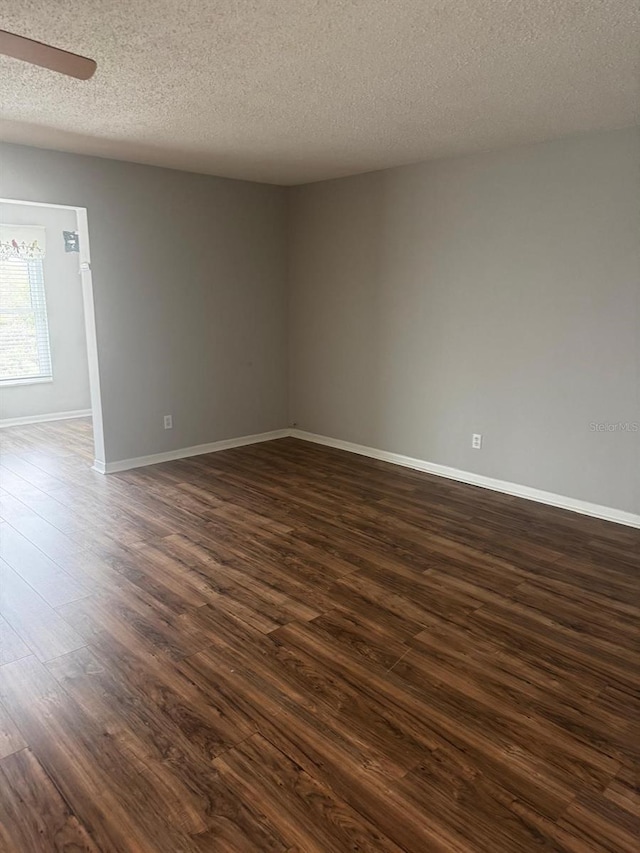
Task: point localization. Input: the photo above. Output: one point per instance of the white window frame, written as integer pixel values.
(35, 272)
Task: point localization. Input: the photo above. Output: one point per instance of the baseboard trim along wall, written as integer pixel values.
(538, 495)
(515, 489)
(185, 452)
(41, 419)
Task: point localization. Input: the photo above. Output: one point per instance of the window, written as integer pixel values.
(24, 333)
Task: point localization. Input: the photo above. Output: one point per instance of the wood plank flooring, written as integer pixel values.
(286, 648)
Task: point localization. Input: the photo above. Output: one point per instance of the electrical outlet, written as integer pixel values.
(168, 422)
(476, 441)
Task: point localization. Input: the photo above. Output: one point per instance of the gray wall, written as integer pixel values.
(190, 295)
(498, 293)
(69, 390)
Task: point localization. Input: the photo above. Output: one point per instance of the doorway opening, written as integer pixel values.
(49, 372)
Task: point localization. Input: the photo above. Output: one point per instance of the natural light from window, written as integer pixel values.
(25, 354)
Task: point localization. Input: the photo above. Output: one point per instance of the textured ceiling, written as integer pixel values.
(290, 91)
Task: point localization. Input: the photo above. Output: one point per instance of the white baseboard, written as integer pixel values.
(41, 419)
(574, 505)
(583, 507)
(185, 452)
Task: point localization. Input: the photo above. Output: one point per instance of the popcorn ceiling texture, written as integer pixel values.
(292, 91)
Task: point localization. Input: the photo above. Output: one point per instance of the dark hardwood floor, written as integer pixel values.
(288, 648)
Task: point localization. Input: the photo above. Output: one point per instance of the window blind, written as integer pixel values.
(24, 333)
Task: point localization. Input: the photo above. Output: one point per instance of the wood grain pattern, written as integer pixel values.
(288, 648)
(11, 739)
(12, 647)
(33, 815)
(38, 624)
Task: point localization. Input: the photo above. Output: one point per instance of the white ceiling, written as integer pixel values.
(290, 91)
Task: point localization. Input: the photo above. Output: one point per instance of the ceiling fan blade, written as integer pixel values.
(38, 53)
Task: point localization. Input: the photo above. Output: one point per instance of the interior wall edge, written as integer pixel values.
(518, 490)
(184, 452)
(606, 513)
(5, 423)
